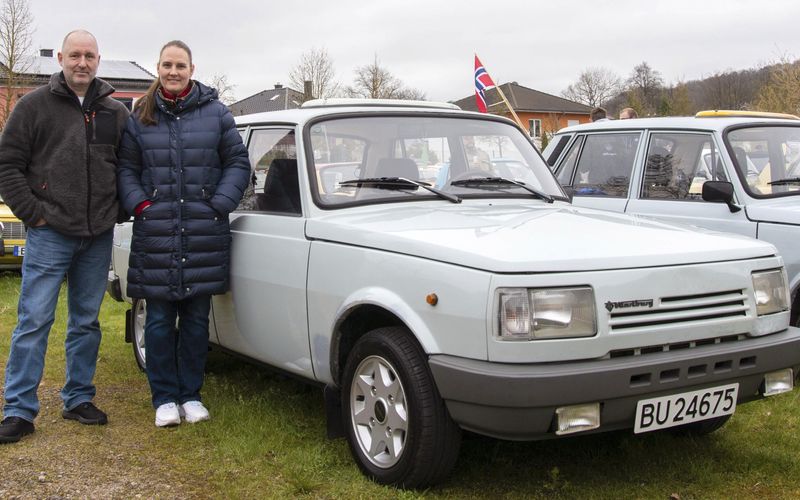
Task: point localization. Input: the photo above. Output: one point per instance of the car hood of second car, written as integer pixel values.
(513, 237)
(784, 210)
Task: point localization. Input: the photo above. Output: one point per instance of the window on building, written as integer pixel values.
(535, 127)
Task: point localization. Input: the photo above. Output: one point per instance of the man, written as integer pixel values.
(58, 175)
(627, 114)
(599, 115)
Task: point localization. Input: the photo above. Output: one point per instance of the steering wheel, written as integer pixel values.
(472, 172)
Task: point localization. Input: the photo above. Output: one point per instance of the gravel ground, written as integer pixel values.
(64, 459)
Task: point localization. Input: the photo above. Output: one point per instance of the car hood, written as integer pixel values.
(527, 237)
(784, 210)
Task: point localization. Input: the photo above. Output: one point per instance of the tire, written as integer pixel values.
(138, 318)
(402, 404)
(702, 427)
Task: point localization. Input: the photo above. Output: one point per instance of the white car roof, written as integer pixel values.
(339, 106)
(677, 122)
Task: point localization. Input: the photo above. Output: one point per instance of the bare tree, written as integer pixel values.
(16, 40)
(594, 87)
(224, 88)
(317, 67)
(646, 84)
(373, 81)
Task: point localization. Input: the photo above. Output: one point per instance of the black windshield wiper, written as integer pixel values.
(399, 183)
(788, 180)
(501, 181)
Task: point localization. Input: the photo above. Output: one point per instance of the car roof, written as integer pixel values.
(318, 108)
(717, 123)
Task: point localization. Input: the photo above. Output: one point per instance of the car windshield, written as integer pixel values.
(438, 151)
(767, 159)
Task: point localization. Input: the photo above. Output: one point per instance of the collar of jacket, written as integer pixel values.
(97, 90)
(199, 95)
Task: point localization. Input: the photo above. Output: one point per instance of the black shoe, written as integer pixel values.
(13, 428)
(86, 413)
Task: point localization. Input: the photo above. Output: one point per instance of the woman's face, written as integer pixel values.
(174, 69)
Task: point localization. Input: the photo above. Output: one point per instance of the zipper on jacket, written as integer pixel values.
(88, 117)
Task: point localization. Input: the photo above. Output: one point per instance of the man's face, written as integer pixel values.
(79, 59)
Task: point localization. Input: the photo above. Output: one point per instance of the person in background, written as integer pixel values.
(628, 113)
(58, 158)
(183, 169)
(598, 114)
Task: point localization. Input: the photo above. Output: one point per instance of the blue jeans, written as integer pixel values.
(176, 358)
(49, 257)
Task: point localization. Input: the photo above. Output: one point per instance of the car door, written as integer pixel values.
(264, 316)
(598, 167)
(675, 166)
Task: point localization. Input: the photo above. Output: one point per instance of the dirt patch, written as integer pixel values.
(128, 458)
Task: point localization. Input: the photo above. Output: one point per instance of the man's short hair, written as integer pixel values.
(628, 113)
(598, 113)
(81, 31)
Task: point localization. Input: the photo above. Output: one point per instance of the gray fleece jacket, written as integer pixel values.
(58, 158)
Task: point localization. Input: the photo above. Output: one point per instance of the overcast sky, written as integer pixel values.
(429, 44)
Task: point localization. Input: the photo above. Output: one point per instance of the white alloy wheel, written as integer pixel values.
(139, 316)
(379, 413)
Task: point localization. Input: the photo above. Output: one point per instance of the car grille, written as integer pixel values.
(13, 231)
(653, 349)
(683, 310)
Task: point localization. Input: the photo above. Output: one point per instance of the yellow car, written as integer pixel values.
(12, 239)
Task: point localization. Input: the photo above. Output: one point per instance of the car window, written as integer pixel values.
(767, 159)
(554, 149)
(274, 185)
(568, 165)
(605, 165)
(678, 164)
(439, 151)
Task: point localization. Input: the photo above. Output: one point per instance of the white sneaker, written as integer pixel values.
(194, 412)
(167, 415)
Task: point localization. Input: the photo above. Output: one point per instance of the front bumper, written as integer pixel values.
(518, 402)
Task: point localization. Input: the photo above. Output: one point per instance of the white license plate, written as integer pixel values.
(685, 408)
(19, 251)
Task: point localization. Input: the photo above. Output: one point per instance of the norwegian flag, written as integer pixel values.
(483, 82)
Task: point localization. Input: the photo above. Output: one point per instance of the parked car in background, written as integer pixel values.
(730, 171)
(491, 304)
(12, 239)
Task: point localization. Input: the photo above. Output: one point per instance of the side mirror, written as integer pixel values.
(720, 192)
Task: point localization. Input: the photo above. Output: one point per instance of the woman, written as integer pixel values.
(182, 170)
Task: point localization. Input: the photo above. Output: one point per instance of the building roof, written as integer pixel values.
(107, 70)
(525, 99)
(276, 99)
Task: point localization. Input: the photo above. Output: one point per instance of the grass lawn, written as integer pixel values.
(266, 439)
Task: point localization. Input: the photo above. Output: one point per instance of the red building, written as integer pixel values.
(538, 111)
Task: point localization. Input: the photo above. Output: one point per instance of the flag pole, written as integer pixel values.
(514, 113)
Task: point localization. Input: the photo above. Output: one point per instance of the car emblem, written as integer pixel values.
(625, 304)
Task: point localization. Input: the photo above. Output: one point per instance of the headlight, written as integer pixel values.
(545, 313)
(771, 291)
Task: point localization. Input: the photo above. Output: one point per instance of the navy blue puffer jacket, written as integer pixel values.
(193, 167)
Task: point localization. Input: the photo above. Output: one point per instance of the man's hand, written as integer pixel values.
(40, 222)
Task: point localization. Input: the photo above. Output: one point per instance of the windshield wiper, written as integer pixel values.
(788, 180)
(399, 183)
(501, 181)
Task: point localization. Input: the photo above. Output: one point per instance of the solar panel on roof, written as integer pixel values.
(125, 70)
